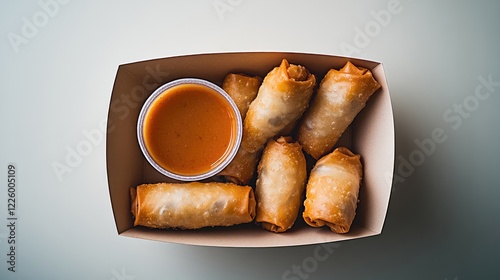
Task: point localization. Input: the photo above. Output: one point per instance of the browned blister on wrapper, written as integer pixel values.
(280, 184)
(192, 205)
(243, 90)
(332, 191)
(342, 94)
(282, 99)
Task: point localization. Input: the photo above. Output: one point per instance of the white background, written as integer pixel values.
(58, 62)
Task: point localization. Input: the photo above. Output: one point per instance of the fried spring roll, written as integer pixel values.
(332, 191)
(342, 94)
(282, 98)
(242, 168)
(192, 205)
(242, 89)
(280, 184)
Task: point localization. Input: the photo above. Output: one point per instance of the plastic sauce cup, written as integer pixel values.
(189, 129)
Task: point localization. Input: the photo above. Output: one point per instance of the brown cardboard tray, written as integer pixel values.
(371, 135)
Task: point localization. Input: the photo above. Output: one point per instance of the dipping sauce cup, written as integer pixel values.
(189, 129)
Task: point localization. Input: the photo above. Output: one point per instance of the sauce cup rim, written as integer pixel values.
(235, 143)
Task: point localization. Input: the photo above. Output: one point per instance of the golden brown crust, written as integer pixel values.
(297, 72)
(342, 94)
(242, 168)
(281, 100)
(273, 112)
(332, 191)
(280, 184)
(242, 89)
(193, 205)
(133, 200)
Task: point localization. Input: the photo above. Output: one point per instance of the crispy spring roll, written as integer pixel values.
(332, 191)
(192, 205)
(280, 184)
(242, 89)
(342, 94)
(282, 98)
(242, 168)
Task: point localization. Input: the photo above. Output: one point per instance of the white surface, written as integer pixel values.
(443, 218)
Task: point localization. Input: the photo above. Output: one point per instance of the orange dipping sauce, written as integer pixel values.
(189, 129)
